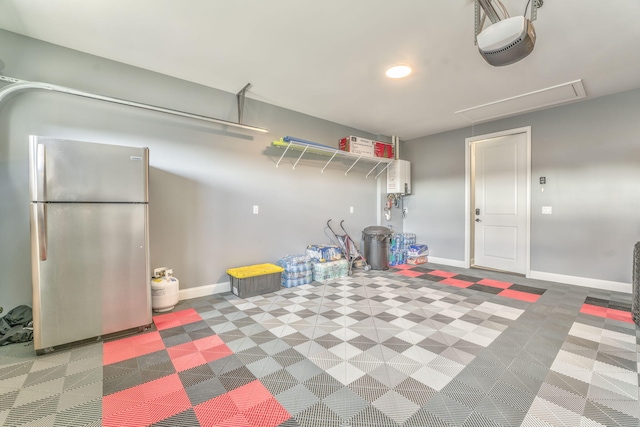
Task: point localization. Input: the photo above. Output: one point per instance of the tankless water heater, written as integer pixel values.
(399, 177)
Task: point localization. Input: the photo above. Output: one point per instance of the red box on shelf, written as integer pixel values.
(383, 149)
(366, 147)
(357, 145)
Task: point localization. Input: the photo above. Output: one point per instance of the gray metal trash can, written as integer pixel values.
(376, 246)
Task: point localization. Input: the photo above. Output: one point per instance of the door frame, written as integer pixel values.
(469, 185)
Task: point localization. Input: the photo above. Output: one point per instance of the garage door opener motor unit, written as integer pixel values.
(506, 40)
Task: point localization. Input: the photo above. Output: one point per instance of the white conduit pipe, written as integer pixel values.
(20, 85)
(395, 140)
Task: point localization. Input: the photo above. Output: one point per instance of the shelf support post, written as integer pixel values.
(285, 152)
(354, 163)
(325, 166)
(383, 169)
(302, 154)
(374, 168)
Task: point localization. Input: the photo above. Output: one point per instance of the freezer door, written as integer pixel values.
(94, 279)
(76, 171)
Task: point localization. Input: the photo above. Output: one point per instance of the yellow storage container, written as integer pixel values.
(254, 280)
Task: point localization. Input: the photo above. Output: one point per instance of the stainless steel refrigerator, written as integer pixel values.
(89, 241)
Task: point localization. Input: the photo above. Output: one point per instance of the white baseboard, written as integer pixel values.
(218, 288)
(203, 291)
(446, 261)
(582, 281)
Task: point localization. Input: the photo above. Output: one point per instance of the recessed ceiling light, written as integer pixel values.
(398, 71)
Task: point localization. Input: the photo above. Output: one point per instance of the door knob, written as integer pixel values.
(477, 219)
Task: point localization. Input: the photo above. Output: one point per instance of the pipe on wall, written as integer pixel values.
(18, 85)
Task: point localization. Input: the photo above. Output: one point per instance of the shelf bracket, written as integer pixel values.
(383, 169)
(354, 163)
(325, 166)
(374, 168)
(299, 158)
(285, 152)
(240, 96)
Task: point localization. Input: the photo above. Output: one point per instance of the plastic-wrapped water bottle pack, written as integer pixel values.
(297, 270)
(324, 253)
(325, 271)
(403, 246)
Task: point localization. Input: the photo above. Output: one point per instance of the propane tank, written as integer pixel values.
(164, 290)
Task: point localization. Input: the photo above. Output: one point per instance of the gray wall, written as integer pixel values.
(590, 154)
(205, 178)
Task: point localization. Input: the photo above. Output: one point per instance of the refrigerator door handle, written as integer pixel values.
(42, 230)
(41, 173)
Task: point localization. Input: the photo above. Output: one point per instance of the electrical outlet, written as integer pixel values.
(255, 209)
(546, 210)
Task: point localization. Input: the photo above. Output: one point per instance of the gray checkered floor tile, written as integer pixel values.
(376, 349)
(60, 389)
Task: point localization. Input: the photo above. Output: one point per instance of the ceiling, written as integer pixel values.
(327, 58)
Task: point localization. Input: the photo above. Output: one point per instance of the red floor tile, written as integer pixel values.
(267, 414)
(137, 416)
(188, 361)
(609, 313)
(594, 310)
(179, 318)
(455, 282)
(215, 411)
(168, 406)
(404, 266)
(495, 283)
(624, 316)
(217, 352)
(145, 404)
(128, 348)
(182, 349)
(522, 296)
(248, 406)
(195, 353)
(236, 421)
(409, 273)
(249, 395)
(208, 342)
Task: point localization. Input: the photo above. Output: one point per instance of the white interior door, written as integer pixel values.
(500, 202)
